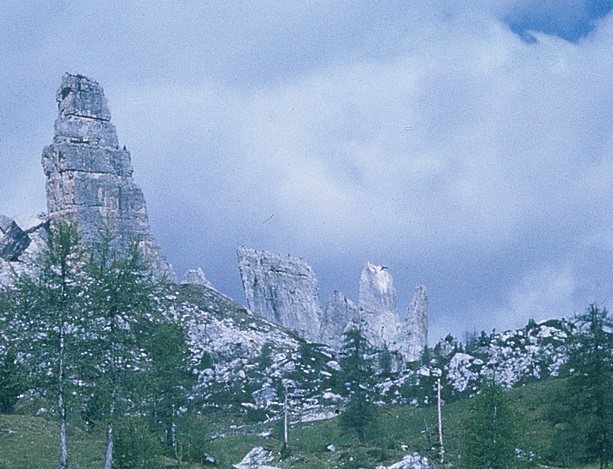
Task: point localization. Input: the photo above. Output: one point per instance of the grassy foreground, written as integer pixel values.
(31, 442)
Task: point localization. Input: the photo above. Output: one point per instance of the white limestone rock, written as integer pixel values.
(415, 328)
(377, 301)
(196, 277)
(281, 289)
(89, 177)
(340, 313)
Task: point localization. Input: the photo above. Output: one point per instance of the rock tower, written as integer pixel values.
(281, 289)
(89, 176)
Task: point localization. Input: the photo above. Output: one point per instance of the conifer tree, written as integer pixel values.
(122, 299)
(585, 407)
(42, 315)
(356, 379)
(489, 436)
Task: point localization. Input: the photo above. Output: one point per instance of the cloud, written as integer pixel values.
(431, 138)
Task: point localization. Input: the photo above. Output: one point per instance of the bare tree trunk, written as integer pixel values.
(108, 455)
(285, 421)
(61, 406)
(440, 421)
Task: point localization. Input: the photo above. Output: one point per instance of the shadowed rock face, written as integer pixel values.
(13, 240)
(89, 177)
(416, 325)
(340, 314)
(281, 289)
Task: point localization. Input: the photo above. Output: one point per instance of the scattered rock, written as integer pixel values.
(258, 458)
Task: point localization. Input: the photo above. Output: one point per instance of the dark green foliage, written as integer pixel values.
(489, 436)
(168, 378)
(192, 438)
(356, 378)
(385, 362)
(136, 447)
(583, 411)
(12, 380)
(265, 358)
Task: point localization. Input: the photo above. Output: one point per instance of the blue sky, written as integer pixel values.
(466, 145)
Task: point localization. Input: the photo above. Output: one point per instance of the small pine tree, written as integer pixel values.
(356, 376)
(489, 437)
(585, 405)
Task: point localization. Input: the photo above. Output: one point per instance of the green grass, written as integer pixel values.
(31, 442)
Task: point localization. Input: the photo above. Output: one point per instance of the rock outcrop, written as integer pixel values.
(13, 240)
(377, 302)
(89, 177)
(281, 289)
(196, 277)
(415, 327)
(340, 314)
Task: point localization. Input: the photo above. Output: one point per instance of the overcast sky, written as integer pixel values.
(468, 147)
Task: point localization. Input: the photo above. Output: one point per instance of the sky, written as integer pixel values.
(468, 146)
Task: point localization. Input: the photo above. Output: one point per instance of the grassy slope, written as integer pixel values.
(32, 441)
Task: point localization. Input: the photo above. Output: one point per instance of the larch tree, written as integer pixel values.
(42, 318)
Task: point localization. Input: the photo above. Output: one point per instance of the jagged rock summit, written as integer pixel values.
(196, 277)
(284, 290)
(281, 289)
(415, 328)
(89, 177)
(377, 300)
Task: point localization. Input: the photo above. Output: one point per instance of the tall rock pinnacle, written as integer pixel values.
(281, 289)
(416, 325)
(377, 300)
(89, 177)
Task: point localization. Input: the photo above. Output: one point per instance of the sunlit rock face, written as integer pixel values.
(377, 302)
(281, 289)
(340, 314)
(89, 176)
(415, 327)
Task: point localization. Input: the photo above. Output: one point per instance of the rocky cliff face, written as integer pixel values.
(415, 328)
(89, 177)
(281, 289)
(377, 302)
(340, 314)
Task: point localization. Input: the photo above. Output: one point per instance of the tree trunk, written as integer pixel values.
(60, 403)
(108, 455)
(285, 421)
(440, 421)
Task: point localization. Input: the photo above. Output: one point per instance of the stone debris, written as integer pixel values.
(258, 458)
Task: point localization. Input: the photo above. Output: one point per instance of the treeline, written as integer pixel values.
(84, 336)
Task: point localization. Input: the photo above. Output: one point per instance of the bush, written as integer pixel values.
(136, 447)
